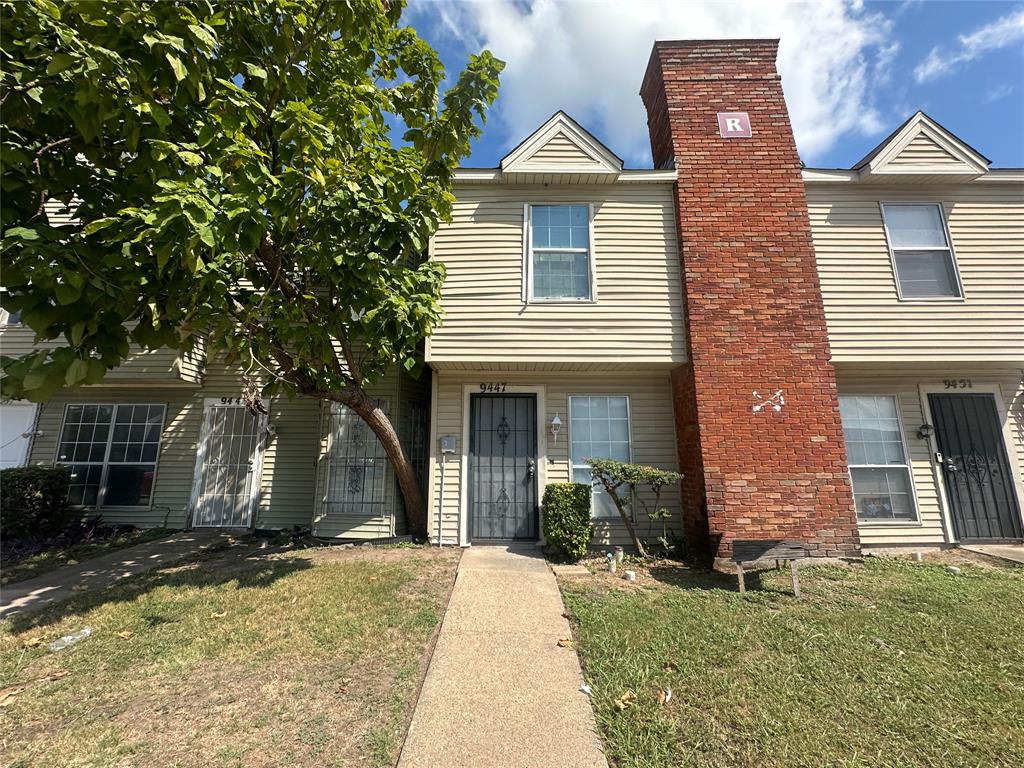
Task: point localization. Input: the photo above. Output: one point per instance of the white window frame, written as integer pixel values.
(573, 467)
(106, 463)
(527, 292)
(867, 522)
(948, 249)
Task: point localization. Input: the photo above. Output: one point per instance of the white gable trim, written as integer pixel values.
(560, 122)
(972, 164)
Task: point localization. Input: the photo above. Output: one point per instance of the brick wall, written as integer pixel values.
(754, 308)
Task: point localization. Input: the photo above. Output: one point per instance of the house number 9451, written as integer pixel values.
(493, 386)
(957, 383)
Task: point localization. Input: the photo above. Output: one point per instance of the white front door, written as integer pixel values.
(228, 465)
(16, 422)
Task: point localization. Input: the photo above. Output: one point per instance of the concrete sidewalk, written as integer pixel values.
(1014, 553)
(101, 572)
(499, 691)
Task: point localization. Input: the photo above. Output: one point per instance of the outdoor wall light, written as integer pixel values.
(925, 431)
(556, 426)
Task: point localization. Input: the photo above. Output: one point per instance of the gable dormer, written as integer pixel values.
(922, 151)
(562, 147)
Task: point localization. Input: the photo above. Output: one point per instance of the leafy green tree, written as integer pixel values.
(231, 170)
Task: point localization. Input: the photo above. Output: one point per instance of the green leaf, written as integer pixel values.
(77, 371)
(23, 232)
(191, 158)
(180, 73)
(66, 293)
(59, 63)
(253, 71)
(97, 224)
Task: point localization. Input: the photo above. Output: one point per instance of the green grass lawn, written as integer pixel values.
(51, 559)
(893, 664)
(243, 657)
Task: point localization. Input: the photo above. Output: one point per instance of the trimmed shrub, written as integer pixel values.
(621, 481)
(565, 511)
(34, 501)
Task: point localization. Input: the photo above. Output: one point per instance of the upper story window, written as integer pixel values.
(560, 258)
(921, 252)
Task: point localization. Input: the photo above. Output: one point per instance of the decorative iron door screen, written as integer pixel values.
(227, 483)
(503, 467)
(975, 468)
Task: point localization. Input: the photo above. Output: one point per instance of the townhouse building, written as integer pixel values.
(833, 355)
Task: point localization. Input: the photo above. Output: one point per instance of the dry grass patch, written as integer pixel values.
(245, 657)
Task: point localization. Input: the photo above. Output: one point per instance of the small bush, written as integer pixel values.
(621, 481)
(565, 511)
(34, 500)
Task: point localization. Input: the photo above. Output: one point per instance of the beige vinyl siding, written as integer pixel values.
(175, 464)
(289, 454)
(923, 150)
(560, 152)
(868, 322)
(160, 365)
(636, 320)
(652, 428)
(329, 522)
(905, 382)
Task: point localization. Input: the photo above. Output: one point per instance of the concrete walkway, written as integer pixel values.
(500, 692)
(100, 572)
(1012, 552)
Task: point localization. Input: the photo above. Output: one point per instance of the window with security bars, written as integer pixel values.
(560, 253)
(921, 252)
(357, 465)
(598, 429)
(878, 462)
(112, 452)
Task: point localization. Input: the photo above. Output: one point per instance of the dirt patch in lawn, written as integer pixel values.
(247, 657)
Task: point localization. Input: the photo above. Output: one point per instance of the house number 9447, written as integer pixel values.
(493, 386)
(957, 383)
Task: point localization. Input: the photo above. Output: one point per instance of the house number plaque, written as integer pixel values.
(493, 386)
(957, 383)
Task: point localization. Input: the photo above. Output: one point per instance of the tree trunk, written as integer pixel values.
(378, 421)
(613, 491)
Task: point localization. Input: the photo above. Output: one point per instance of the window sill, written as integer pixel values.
(933, 300)
(561, 301)
(888, 523)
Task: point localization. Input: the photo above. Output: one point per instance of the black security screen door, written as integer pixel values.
(503, 467)
(975, 468)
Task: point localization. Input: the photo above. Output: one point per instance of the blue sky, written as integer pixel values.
(852, 71)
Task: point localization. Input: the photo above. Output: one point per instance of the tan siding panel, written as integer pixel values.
(652, 427)
(922, 150)
(176, 463)
(560, 152)
(867, 321)
(638, 313)
(904, 383)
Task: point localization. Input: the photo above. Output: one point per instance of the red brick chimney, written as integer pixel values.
(755, 318)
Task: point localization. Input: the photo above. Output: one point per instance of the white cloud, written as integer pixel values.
(589, 58)
(1000, 33)
(997, 93)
